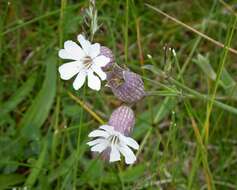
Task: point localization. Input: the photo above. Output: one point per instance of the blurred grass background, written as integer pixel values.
(187, 127)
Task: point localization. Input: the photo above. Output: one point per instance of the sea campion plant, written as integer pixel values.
(97, 63)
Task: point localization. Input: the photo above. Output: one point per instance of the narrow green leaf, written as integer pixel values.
(194, 92)
(18, 96)
(38, 112)
(67, 165)
(128, 175)
(226, 81)
(229, 83)
(31, 179)
(204, 63)
(7, 181)
(165, 108)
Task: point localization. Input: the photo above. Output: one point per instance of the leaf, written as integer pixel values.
(67, 165)
(133, 173)
(226, 81)
(31, 179)
(153, 69)
(164, 108)
(127, 175)
(161, 111)
(204, 64)
(71, 22)
(38, 112)
(89, 174)
(18, 96)
(7, 181)
(229, 83)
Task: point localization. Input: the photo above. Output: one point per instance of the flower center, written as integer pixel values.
(113, 139)
(87, 62)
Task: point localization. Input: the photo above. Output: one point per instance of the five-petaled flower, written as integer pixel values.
(87, 60)
(115, 142)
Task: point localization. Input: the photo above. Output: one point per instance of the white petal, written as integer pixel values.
(99, 147)
(93, 81)
(130, 157)
(94, 50)
(101, 61)
(68, 70)
(79, 80)
(114, 154)
(71, 51)
(129, 141)
(96, 141)
(64, 54)
(85, 44)
(107, 128)
(99, 72)
(98, 133)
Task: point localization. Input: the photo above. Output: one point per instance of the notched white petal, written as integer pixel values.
(130, 157)
(62, 54)
(93, 81)
(94, 50)
(101, 61)
(96, 141)
(130, 142)
(114, 154)
(98, 133)
(107, 128)
(79, 80)
(71, 51)
(68, 70)
(74, 49)
(99, 147)
(85, 44)
(99, 72)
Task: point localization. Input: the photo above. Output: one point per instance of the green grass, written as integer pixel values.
(186, 126)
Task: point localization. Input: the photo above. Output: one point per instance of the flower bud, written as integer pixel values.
(123, 120)
(127, 86)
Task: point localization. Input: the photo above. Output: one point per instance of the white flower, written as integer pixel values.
(117, 143)
(86, 61)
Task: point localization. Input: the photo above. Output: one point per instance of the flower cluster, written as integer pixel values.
(96, 63)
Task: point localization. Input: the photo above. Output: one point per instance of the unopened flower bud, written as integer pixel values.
(127, 86)
(123, 120)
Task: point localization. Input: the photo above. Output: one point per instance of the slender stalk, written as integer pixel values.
(201, 147)
(141, 57)
(58, 100)
(192, 29)
(78, 145)
(203, 151)
(196, 94)
(218, 77)
(120, 176)
(90, 111)
(204, 97)
(126, 32)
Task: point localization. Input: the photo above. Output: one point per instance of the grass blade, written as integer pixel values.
(19, 96)
(30, 181)
(37, 113)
